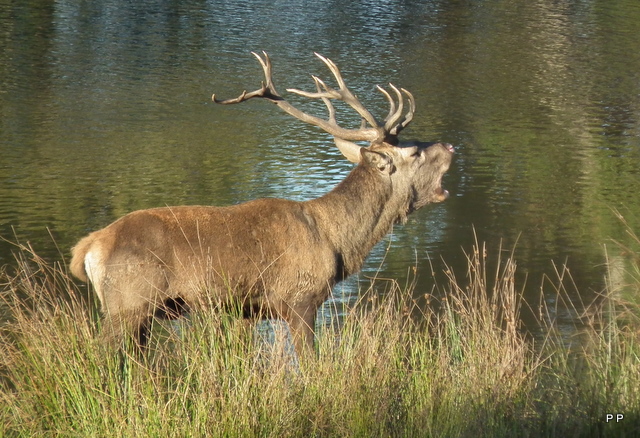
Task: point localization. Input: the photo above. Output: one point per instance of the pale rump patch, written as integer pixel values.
(95, 269)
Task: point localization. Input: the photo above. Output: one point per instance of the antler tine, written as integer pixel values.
(334, 69)
(342, 93)
(265, 63)
(394, 114)
(392, 104)
(407, 117)
(267, 89)
(389, 124)
(347, 95)
(328, 92)
(327, 102)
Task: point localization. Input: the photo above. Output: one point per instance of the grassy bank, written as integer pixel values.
(464, 370)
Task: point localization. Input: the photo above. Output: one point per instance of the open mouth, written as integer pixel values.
(440, 193)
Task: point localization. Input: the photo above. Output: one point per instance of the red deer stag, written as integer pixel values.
(273, 257)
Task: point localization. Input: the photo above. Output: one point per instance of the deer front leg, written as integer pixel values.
(302, 326)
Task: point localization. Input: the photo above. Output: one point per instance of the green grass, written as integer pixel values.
(464, 368)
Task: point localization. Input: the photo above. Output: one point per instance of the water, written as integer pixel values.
(105, 108)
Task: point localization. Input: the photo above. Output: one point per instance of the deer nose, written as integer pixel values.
(449, 147)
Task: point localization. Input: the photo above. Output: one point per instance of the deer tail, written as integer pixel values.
(79, 253)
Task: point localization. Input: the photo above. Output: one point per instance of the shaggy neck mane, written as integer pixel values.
(358, 213)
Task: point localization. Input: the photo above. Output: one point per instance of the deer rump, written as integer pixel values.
(272, 257)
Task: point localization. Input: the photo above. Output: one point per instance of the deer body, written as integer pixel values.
(272, 257)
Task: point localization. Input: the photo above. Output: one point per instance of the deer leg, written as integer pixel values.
(117, 327)
(302, 326)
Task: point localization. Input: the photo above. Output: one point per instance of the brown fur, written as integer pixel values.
(277, 256)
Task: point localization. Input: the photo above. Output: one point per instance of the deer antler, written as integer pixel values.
(267, 90)
(342, 93)
(375, 132)
(392, 125)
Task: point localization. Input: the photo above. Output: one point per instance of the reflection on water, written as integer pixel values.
(105, 108)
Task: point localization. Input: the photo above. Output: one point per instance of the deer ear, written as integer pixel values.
(350, 150)
(378, 160)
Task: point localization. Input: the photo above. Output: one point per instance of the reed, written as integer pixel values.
(464, 367)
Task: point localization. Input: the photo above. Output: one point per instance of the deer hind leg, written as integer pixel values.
(131, 300)
(118, 327)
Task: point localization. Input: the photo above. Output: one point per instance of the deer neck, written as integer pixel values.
(358, 213)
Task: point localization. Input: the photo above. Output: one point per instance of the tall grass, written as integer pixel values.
(464, 368)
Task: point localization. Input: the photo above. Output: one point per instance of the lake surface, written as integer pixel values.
(105, 108)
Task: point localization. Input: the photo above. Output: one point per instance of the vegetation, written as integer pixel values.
(462, 368)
